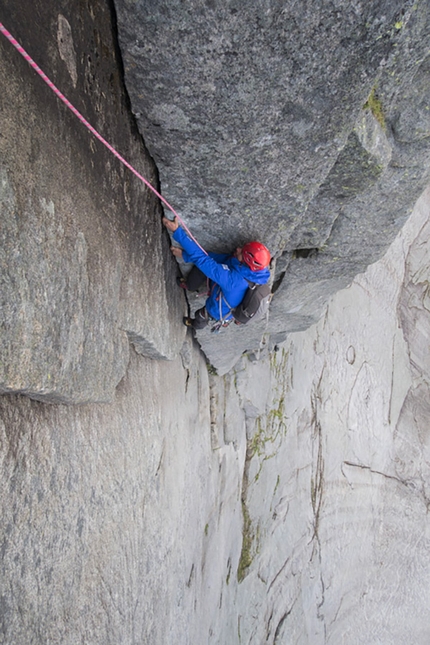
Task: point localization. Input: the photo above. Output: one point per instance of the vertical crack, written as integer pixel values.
(317, 491)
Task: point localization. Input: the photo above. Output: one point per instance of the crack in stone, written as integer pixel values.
(411, 486)
(278, 574)
(317, 491)
(280, 624)
(377, 472)
(317, 478)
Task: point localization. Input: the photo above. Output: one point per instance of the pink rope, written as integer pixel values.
(88, 125)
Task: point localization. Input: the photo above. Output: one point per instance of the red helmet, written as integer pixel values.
(256, 256)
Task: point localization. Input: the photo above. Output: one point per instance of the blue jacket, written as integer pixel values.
(229, 275)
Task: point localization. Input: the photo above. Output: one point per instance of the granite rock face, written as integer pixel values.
(106, 509)
(337, 487)
(85, 270)
(300, 124)
(283, 502)
(286, 502)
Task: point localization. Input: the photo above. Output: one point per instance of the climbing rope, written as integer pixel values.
(88, 125)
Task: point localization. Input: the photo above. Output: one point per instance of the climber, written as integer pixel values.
(229, 274)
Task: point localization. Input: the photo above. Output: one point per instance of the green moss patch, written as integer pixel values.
(374, 104)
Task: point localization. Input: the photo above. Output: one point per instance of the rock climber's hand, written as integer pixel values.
(176, 252)
(171, 225)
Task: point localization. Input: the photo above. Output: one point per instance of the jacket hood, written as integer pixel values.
(259, 277)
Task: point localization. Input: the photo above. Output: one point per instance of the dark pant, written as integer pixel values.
(201, 319)
(195, 279)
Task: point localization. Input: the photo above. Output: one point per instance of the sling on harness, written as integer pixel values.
(222, 322)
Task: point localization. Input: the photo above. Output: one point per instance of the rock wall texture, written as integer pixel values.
(286, 502)
(303, 124)
(84, 271)
(338, 479)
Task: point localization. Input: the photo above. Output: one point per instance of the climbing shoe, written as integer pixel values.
(188, 322)
(181, 282)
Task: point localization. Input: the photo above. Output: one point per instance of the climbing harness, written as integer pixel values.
(215, 329)
(223, 321)
(61, 96)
